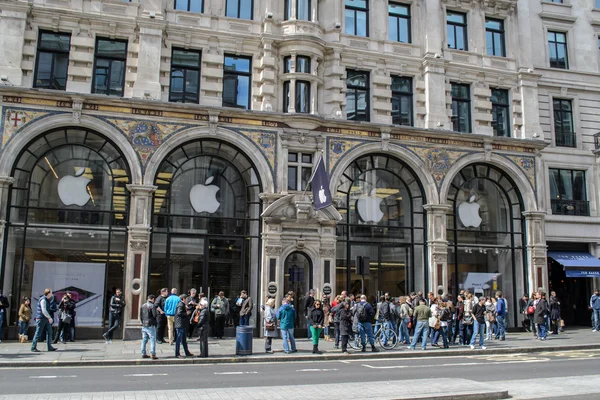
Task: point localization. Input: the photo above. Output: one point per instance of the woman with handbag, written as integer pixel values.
(317, 319)
(346, 318)
(328, 318)
(490, 318)
(530, 313)
(24, 318)
(269, 325)
(66, 308)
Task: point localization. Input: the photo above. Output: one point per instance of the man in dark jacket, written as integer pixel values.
(161, 317)
(479, 324)
(309, 304)
(181, 324)
(542, 310)
(117, 303)
(203, 327)
(364, 314)
(148, 315)
(3, 314)
(385, 316)
(44, 321)
(245, 308)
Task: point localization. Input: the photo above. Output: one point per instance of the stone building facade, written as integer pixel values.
(437, 121)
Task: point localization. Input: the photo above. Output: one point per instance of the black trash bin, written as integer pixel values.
(243, 340)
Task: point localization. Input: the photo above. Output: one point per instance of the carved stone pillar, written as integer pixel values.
(437, 246)
(537, 272)
(138, 255)
(6, 271)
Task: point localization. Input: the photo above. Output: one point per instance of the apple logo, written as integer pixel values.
(204, 197)
(73, 189)
(322, 196)
(368, 206)
(468, 212)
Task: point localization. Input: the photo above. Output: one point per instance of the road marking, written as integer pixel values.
(316, 370)
(52, 376)
(236, 373)
(453, 364)
(147, 375)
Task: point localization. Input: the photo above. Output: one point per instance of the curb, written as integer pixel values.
(293, 358)
(492, 395)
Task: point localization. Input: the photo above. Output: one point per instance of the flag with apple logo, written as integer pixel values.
(320, 186)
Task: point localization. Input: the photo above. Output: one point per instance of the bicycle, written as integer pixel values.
(380, 335)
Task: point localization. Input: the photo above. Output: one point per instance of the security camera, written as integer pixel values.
(269, 15)
(438, 55)
(152, 14)
(338, 25)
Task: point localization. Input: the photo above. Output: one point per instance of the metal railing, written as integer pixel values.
(571, 207)
(597, 141)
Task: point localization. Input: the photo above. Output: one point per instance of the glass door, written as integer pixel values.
(298, 278)
(393, 263)
(187, 263)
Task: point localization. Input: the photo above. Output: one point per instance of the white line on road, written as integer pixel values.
(147, 375)
(236, 373)
(52, 376)
(316, 370)
(455, 364)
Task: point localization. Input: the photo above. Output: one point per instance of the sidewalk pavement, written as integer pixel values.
(97, 353)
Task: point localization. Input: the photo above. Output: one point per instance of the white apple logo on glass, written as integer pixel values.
(73, 189)
(322, 196)
(204, 197)
(368, 206)
(468, 212)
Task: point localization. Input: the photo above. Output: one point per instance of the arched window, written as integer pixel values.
(67, 219)
(382, 205)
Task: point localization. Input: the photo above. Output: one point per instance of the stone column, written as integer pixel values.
(437, 246)
(434, 75)
(13, 19)
(147, 85)
(6, 270)
(138, 256)
(528, 88)
(537, 271)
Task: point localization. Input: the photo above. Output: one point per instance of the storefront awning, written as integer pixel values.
(578, 264)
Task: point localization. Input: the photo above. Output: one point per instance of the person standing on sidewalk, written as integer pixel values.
(161, 317)
(523, 312)
(203, 327)
(192, 302)
(117, 303)
(479, 324)
(595, 307)
(365, 313)
(269, 325)
(148, 316)
(405, 312)
(422, 313)
(66, 309)
(220, 307)
(345, 315)
(542, 310)
(24, 318)
(181, 324)
(335, 310)
(501, 313)
(554, 312)
(385, 316)
(171, 304)
(326, 307)
(245, 309)
(317, 317)
(286, 316)
(3, 314)
(531, 312)
(309, 304)
(44, 321)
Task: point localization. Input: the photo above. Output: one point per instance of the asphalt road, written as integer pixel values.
(478, 367)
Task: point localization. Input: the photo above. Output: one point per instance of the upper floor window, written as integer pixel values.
(567, 192)
(236, 82)
(301, 96)
(500, 114)
(299, 170)
(109, 68)
(402, 99)
(303, 10)
(564, 133)
(597, 4)
(555, 1)
(239, 9)
(196, 6)
(557, 45)
(357, 17)
(399, 22)
(52, 60)
(357, 95)
(461, 108)
(302, 64)
(494, 37)
(185, 76)
(456, 26)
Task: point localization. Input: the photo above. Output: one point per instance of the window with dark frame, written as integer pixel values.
(237, 81)
(52, 60)
(456, 26)
(399, 22)
(402, 101)
(302, 100)
(303, 10)
(196, 6)
(461, 108)
(557, 47)
(299, 170)
(564, 132)
(568, 193)
(109, 67)
(356, 17)
(500, 112)
(357, 95)
(494, 37)
(242, 9)
(185, 76)
(555, 1)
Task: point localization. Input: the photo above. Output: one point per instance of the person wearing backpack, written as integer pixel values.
(385, 316)
(501, 313)
(364, 315)
(467, 318)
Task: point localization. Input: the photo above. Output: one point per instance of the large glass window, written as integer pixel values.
(399, 22)
(381, 202)
(109, 69)
(357, 95)
(52, 61)
(67, 220)
(185, 76)
(557, 47)
(567, 192)
(302, 97)
(237, 82)
(242, 9)
(500, 112)
(456, 26)
(303, 10)
(494, 37)
(461, 108)
(299, 170)
(196, 6)
(564, 133)
(402, 101)
(357, 17)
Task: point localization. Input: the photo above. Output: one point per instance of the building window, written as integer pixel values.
(500, 113)
(597, 4)
(109, 69)
(185, 76)
(402, 98)
(299, 170)
(399, 22)
(357, 95)
(196, 6)
(52, 61)
(567, 192)
(357, 17)
(302, 99)
(302, 64)
(456, 25)
(303, 10)
(555, 1)
(461, 108)
(557, 44)
(239, 9)
(564, 133)
(236, 82)
(494, 37)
